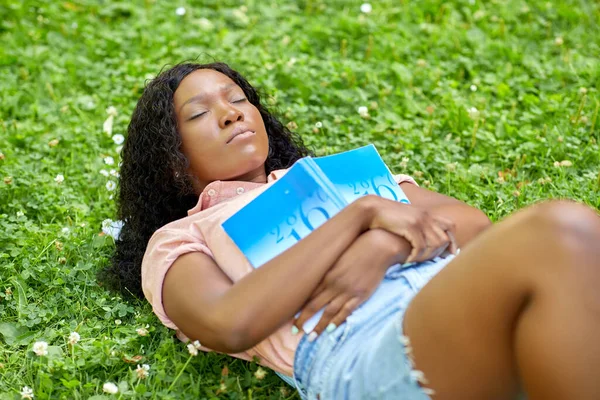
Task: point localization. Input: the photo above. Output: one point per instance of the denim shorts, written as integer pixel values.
(368, 357)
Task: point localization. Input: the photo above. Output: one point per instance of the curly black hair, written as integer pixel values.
(155, 187)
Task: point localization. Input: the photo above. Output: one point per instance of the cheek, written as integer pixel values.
(199, 150)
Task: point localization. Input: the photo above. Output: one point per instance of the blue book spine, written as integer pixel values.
(359, 172)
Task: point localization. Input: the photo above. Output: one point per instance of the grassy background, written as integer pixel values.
(530, 68)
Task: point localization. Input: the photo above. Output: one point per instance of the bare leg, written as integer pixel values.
(520, 307)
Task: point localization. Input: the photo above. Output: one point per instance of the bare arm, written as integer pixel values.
(203, 302)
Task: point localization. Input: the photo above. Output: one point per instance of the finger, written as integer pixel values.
(322, 286)
(312, 307)
(444, 241)
(433, 243)
(445, 223)
(434, 238)
(453, 244)
(450, 228)
(417, 240)
(331, 310)
(344, 311)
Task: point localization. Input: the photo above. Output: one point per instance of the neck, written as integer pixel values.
(257, 175)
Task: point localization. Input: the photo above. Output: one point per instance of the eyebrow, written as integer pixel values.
(199, 97)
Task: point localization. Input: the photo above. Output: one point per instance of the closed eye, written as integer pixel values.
(240, 100)
(197, 115)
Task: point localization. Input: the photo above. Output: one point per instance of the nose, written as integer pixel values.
(230, 115)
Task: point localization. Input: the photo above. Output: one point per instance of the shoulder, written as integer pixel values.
(164, 247)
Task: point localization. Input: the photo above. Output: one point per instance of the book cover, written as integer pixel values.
(359, 172)
(286, 212)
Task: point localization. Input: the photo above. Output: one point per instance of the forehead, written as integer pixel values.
(202, 81)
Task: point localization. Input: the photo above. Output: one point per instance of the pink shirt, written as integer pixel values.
(201, 231)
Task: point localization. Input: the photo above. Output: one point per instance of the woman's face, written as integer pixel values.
(223, 135)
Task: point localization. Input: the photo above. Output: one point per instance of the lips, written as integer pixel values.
(238, 130)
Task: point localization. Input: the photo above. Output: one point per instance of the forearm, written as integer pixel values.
(289, 279)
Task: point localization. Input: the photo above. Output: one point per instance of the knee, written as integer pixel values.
(570, 225)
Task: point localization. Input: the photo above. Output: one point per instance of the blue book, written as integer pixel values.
(286, 212)
(312, 191)
(359, 172)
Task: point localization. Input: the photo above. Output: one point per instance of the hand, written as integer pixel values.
(430, 235)
(352, 279)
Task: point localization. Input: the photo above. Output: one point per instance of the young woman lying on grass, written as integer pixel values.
(517, 310)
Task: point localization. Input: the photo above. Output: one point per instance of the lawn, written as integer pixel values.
(495, 103)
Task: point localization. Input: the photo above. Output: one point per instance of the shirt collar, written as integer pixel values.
(219, 191)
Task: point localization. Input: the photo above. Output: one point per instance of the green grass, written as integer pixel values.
(531, 69)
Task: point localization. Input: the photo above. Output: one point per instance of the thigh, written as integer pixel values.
(460, 324)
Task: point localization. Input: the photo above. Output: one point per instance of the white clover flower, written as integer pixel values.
(110, 186)
(107, 127)
(474, 113)
(192, 349)
(473, 88)
(26, 393)
(240, 14)
(110, 388)
(111, 111)
(142, 371)
(197, 344)
(118, 138)
(260, 374)
(20, 213)
(566, 163)
(142, 331)
(543, 181)
(64, 230)
(292, 61)
(104, 172)
(118, 149)
(366, 8)
(319, 124)
(112, 228)
(363, 111)
(205, 24)
(40, 348)
(180, 11)
(583, 90)
(74, 338)
(559, 41)
(114, 173)
(59, 178)
(404, 162)
(109, 160)
(118, 322)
